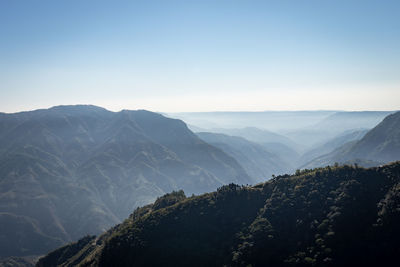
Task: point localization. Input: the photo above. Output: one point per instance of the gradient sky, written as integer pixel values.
(200, 55)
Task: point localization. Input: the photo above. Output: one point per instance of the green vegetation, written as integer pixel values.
(169, 199)
(333, 216)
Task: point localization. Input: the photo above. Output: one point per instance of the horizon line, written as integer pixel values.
(207, 111)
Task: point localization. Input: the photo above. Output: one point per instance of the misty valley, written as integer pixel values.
(84, 186)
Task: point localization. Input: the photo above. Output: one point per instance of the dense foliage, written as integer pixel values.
(334, 216)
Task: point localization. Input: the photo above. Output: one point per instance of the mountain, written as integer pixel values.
(334, 216)
(335, 124)
(257, 161)
(347, 120)
(379, 145)
(68, 171)
(332, 144)
(263, 137)
(18, 262)
(274, 143)
(272, 120)
(257, 135)
(289, 155)
(298, 130)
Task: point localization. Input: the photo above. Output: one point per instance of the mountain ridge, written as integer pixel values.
(380, 145)
(323, 217)
(256, 159)
(73, 170)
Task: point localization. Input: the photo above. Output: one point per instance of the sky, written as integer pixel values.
(218, 55)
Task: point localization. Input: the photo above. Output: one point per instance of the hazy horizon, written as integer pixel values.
(205, 111)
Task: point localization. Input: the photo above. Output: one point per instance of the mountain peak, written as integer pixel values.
(73, 170)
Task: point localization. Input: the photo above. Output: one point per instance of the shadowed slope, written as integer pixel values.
(342, 216)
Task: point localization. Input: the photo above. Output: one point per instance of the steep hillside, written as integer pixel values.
(379, 145)
(257, 161)
(347, 120)
(331, 145)
(275, 143)
(341, 216)
(75, 170)
(18, 262)
(258, 135)
(335, 124)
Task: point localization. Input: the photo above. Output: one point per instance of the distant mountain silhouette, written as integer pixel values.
(257, 161)
(379, 145)
(258, 135)
(68, 171)
(335, 124)
(332, 144)
(283, 147)
(275, 121)
(347, 120)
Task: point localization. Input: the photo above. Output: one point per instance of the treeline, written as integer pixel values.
(334, 216)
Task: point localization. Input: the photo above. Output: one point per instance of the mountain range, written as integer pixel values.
(255, 158)
(68, 171)
(331, 145)
(378, 146)
(335, 124)
(303, 129)
(275, 121)
(281, 146)
(324, 145)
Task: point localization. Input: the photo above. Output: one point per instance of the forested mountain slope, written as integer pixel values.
(334, 216)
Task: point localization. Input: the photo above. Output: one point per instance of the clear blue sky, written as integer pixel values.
(200, 55)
